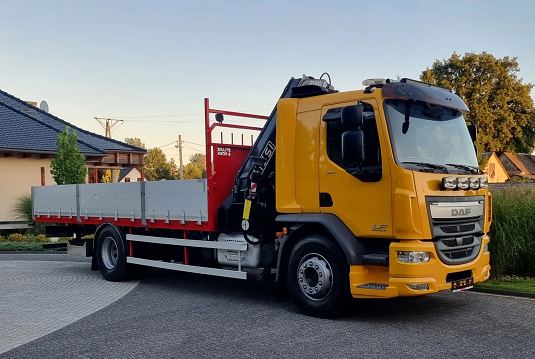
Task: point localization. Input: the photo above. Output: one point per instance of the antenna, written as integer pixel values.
(108, 124)
(43, 106)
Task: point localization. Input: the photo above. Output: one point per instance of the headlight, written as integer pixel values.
(449, 183)
(483, 182)
(463, 182)
(413, 257)
(474, 182)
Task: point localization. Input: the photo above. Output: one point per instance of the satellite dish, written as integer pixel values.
(43, 106)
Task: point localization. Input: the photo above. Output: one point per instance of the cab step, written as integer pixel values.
(375, 286)
(378, 259)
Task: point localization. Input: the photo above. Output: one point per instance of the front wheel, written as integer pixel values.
(318, 277)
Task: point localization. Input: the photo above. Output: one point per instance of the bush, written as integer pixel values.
(64, 239)
(16, 237)
(2, 239)
(89, 236)
(40, 238)
(20, 246)
(22, 209)
(30, 237)
(512, 242)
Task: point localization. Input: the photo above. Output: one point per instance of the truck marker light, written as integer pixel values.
(413, 257)
(418, 286)
(474, 182)
(463, 182)
(449, 183)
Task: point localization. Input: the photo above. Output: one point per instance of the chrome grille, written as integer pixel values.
(457, 240)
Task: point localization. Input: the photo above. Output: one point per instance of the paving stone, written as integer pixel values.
(40, 297)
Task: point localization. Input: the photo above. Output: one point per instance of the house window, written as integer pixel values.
(127, 179)
(492, 170)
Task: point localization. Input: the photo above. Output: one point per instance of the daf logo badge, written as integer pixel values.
(457, 212)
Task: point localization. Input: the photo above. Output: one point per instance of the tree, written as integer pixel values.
(500, 105)
(134, 141)
(199, 160)
(68, 166)
(156, 166)
(174, 169)
(191, 171)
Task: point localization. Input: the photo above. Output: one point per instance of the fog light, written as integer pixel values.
(449, 183)
(463, 182)
(486, 248)
(418, 286)
(483, 182)
(413, 257)
(474, 182)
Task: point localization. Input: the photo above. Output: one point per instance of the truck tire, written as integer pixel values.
(318, 277)
(111, 255)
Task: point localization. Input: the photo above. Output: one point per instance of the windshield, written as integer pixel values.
(429, 137)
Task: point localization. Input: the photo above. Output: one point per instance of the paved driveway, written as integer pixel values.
(178, 315)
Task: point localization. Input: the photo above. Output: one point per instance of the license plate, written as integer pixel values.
(463, 284)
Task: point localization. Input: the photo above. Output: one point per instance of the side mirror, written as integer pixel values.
(353, 146)
(352, 116)
(472, 129)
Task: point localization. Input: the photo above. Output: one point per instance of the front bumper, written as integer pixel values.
(395, 278)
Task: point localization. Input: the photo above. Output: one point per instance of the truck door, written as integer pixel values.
(360, 197)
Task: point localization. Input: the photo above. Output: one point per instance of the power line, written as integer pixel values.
(164, 121)
(196, 121)
(184, 115)
(193, 143)
(191, 148)
(167, 144)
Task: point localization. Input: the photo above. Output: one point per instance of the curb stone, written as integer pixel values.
(503, 292)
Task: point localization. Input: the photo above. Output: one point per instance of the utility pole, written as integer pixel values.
(180, 156)
(108, 124)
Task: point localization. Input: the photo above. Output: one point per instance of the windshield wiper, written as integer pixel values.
(464, 167)
(428, 165)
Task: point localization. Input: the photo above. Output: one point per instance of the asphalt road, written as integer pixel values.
(179, 315)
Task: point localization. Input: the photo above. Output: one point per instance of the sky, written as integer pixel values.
(151, 63)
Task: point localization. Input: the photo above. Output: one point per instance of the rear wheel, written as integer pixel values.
(111, 255)
(318, 277)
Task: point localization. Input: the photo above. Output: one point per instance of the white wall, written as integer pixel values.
(134, 175)
(17, 176)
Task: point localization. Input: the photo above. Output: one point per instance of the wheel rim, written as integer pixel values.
(314, 276)
(109, 252)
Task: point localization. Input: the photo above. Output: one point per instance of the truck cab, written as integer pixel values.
(390, 175)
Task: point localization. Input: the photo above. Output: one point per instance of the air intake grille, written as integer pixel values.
(457, 229)
(458, 250)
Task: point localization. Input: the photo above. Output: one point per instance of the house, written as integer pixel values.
(129, 174)
(494, 168)
(521, 164)
(28, 143)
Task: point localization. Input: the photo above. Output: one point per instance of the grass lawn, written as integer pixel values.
(21, 246)
(515, 285)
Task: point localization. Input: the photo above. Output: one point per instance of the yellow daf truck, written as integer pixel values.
(374, 193)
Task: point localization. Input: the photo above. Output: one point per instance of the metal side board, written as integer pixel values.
(228, 273)
(188, 268)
